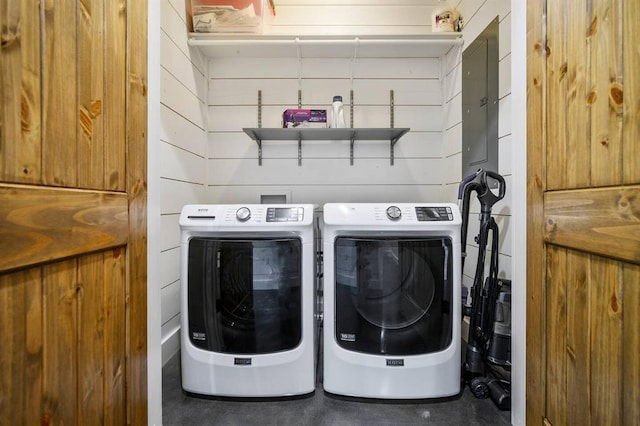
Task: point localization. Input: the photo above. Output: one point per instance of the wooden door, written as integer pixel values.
(583, 269)
(73, 212)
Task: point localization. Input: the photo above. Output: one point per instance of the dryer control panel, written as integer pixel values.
(285, 214)
(430, 214)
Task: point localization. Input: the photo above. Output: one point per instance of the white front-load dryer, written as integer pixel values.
(248, 300)
(392, 306)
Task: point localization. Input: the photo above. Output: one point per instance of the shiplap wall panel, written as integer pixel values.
(175, 194)
(246, 68)
(452, 143)
(173, 25)
(415, 91)
(182, 154)
(175, 62)
(169, 232)
(232, 118)
(453, 112)
(452, 126)
(179, 131)
(170, 264)
(170, 293)
(284, 92)
(314, 171)
(239, 145)
(397, 68)
(171, 337)
(504, 43)
(504, 70)
(321, 194)
(504, 117)
(244, 91)
(181, 165)
(505, 148)
(180, 99)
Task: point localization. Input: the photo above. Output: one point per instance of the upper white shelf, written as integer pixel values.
(253, 46)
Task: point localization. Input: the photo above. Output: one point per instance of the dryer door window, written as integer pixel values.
(244, 296)
(393, 296)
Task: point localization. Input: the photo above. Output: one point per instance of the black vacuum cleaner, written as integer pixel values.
(487, 367)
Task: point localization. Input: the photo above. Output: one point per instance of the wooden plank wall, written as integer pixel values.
(73, 212)
(584, 213)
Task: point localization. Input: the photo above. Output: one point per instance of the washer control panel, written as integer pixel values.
(285, 214)
(431, 214)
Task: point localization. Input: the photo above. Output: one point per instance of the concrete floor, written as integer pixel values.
(321, 409)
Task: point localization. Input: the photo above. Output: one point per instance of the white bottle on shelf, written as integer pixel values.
(337, 113)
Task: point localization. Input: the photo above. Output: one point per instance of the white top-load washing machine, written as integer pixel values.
(248, 300)
(392, 305)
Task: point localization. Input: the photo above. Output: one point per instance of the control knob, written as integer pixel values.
(243, 214)
(393, 212)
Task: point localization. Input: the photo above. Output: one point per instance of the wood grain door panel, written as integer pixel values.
(73, 205)
(583, 221)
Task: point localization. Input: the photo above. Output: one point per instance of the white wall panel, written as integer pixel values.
(452, 141)
(452, 83)
(505, 152)
(170, 293)
(504, 44)
(171, 338)
(170, 232)
(179, 131)
(504, 116)
(177, 97)
(182, 148)
(175, 194)
(179, 164)
(233, 118)
(176, 63)
(313, 68)
(504, 85)
(239, 145)
(248, 68)
(170, 269)
(321, 194)
(417, 91)
(453, 112)
(244, 91)
(453, 171)
(365, 171)
(397, 68)
(319, 93)
(173, 25)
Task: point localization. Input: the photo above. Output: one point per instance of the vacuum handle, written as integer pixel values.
(488, 198)
(465, 181)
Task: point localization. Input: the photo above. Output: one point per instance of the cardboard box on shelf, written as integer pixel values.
(304, 118)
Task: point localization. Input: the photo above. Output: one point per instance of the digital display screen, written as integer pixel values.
(283, 213)
(426, 213)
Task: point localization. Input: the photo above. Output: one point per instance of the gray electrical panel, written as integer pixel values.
(480, 102)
